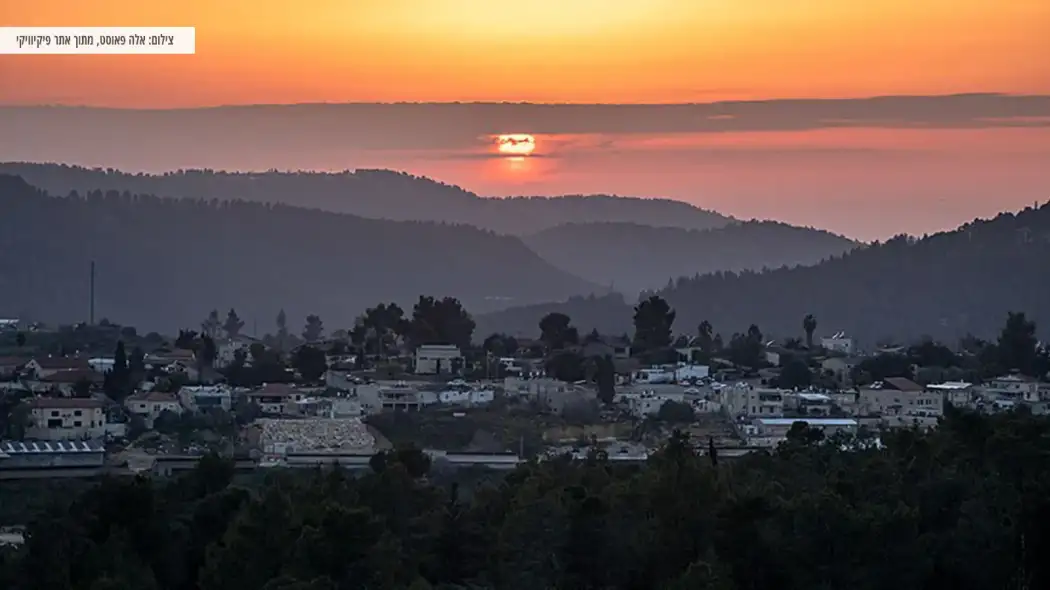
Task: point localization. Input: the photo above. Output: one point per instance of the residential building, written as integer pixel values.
(689, 372)
(47, 366)
(466, 396)
(957, 393)
(199, 398)
(810, 404)
(654, 375)
(277, 398)
(745, 400)
(769, 432)
(10, 365)
(55, 418)
(163, 359)
(151, 404)
(226, 349)
(897, 396)
(438, 359)
(840, 368)
(66, 382)
(1013, 387)
(838, 342)
(648, 402)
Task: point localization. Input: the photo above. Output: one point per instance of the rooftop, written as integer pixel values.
(64, 402)
(152, 396)
(808, 421)
(950, 386)
(14, 448)
(60, 362)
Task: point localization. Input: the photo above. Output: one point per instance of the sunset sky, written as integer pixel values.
(606, 51)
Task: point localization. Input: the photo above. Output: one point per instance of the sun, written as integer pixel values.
(516, 144)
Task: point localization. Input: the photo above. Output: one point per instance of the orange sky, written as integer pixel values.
(279, 51)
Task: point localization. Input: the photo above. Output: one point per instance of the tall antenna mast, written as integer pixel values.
(91, 309)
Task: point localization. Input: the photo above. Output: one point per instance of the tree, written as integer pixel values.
(653, 319)
(187, 340)
(282, 331)
(20, 339)
(566, 366)
(1018, 344)
(117, 381)
(747, 350)
(137, 362)
(82, 388)
(314, 328)
(440, 321)
(210, 326)
(794, 374)
(605, 379)
(233, 324)
(208, 352)
(310, 362)
(676, 412)
(809, 324)
(556, 331)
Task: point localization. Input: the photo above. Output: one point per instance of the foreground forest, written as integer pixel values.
(962, 507)
(161, 262)
(943, 286)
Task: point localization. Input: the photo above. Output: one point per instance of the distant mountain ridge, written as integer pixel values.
(632, 257)
(376, 194)
(944, 286)
(163, 263)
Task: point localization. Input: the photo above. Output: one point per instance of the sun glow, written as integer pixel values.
(516, 144)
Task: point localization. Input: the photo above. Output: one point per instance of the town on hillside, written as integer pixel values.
(83, 400)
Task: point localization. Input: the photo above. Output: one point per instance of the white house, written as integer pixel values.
(897, 396)
(769, 432)
(437, 359)
(226, 350)
(277, 398)
(744, 400)
(48, 366)
(466, 396)
(957, 393)
(151, 404)
(66, 419)
(686, 372)
(838, 342)
(1018, 388)
(198, 398)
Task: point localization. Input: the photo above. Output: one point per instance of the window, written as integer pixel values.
(77, 412)
(77, 424)
(54, 412)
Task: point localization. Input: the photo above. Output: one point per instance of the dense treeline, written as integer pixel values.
(962, 507)
(944, 286)
(632, 257)
(160, 261)
(378, 194)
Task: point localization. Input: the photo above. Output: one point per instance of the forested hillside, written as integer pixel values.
(163, 263)
(377, 194)
(632, 257)
(945, 286)
(963, 507)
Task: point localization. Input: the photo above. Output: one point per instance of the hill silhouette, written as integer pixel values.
(944, 286)
(632, 257)
(377, 194)
(163, 263)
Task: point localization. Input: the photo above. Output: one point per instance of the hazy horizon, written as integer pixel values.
(866, 168)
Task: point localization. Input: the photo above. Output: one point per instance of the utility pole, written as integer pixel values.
(91, 302)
